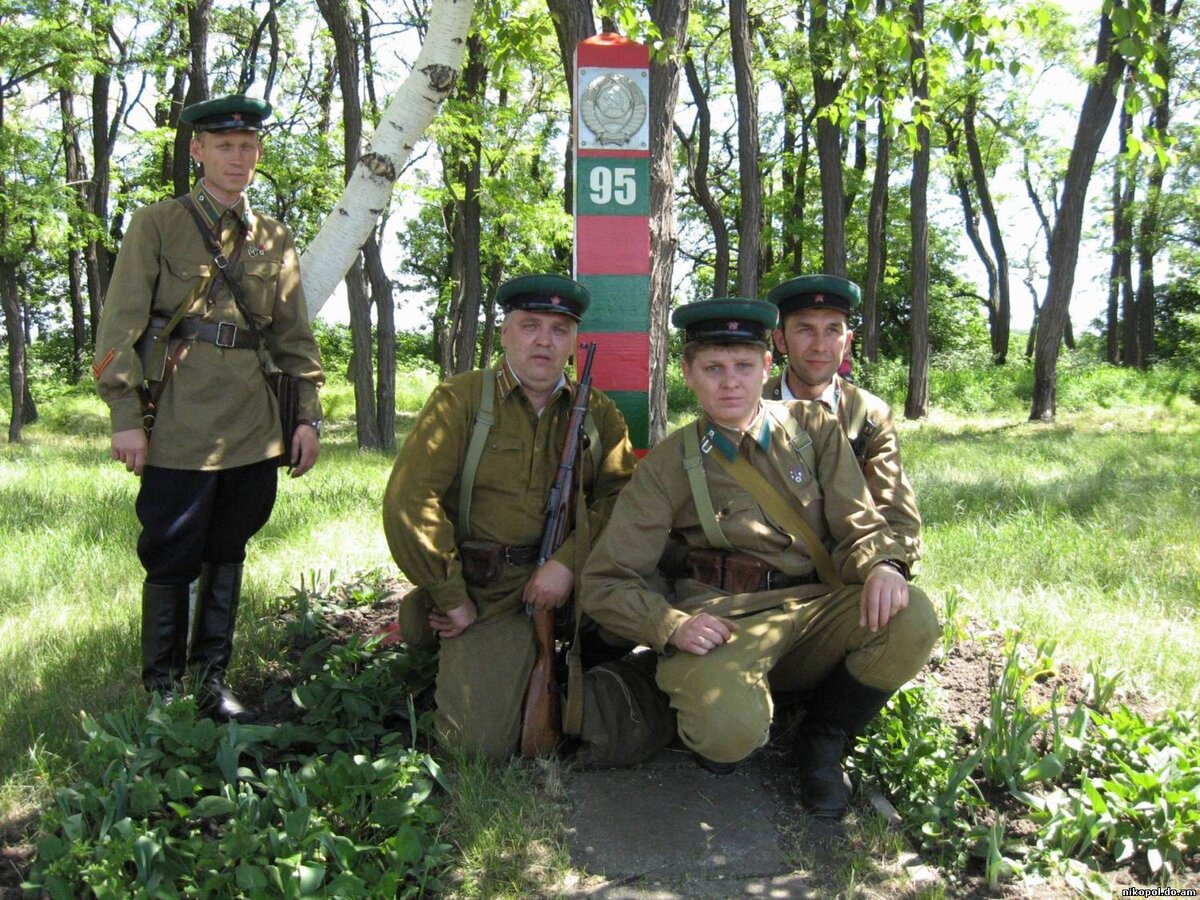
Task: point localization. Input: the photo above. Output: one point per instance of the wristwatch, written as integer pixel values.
(314, 424)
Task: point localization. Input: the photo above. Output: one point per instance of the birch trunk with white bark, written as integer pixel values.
(326, 260)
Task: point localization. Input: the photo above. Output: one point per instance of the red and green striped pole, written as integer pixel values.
(612, 219)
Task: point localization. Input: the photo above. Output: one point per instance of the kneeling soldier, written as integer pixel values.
(465, 508)
(792, 579)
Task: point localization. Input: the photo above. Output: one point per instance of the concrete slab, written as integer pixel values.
(668, 820)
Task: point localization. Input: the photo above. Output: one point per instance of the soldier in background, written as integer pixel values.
(792, 580)
(465, 509)
(209, 467)
(814, 336)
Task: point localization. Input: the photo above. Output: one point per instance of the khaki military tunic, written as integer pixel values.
(878, 453)
(217, 411)
(789, 638)
(482, 673)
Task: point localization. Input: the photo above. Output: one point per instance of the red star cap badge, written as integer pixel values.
(818, 298)
(556, 300)
(733, 326)
(237, 117)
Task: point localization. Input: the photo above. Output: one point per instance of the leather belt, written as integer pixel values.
(521, 556)
(227, 335)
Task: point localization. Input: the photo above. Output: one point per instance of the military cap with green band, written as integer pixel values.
(544, 293)
(726, 320)
(237, 112)
(815, 292)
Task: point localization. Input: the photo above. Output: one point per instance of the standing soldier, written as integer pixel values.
(792, 581)
(814, 334)
(466, 505)
(204, 289)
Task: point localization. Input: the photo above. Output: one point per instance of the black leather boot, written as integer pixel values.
(212, 645)
(840, 708)
(164, 638)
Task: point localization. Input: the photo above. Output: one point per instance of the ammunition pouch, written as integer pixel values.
(484, 561)
(739, 573)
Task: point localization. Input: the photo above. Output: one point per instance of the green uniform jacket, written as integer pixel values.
(515, 474)
(619, 588)
(879, 457)
(217, 411)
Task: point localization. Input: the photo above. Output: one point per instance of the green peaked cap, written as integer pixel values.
(726, 320)
(544, 293)
(815, 292)
(236, 112)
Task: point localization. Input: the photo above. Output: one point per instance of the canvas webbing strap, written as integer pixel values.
(484, 420)
(769, 498)
(693, 464)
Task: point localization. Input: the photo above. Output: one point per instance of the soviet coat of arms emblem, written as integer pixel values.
(613, 107)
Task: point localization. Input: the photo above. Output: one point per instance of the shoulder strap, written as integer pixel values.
(798, 439)
(779, 509)
(693, 464)
(858, 414)
(484, 419)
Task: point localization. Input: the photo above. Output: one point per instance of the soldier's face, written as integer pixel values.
(229, 159)
(727, 380)
(537, 345)
(815, 341)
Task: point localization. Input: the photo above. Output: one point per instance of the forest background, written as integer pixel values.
(954, 159)
(858, 139)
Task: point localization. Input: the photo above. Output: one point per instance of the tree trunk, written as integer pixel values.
(698, 149)
(574, 21)
(1120, 281)
(1000, 318)
(197, 24)
(342, 28)
(671, 17)
(1149, 237)
(876, 241)
(826, 88)
(916, 405)
(971, 224)
(385, 338)
(1098, 105)
(412, 107)
(77, 180)
(467, 234)
(749, 180)
(16, 348)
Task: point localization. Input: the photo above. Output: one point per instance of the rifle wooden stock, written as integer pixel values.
(541, 718)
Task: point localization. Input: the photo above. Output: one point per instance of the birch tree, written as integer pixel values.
(331, 253)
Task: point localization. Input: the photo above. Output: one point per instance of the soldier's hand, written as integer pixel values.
(884, 594)
(129, 447)
(549, 587)
(452, 624)
(306, 447)
(702, 633)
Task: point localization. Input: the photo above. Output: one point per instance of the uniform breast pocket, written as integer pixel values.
(744, 523)
(504, 468)
(258, 284)
(178, 280)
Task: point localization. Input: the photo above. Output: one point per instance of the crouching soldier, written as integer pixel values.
(465, 508)
(793, 580)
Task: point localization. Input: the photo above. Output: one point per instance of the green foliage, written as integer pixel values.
(1104, 788)
(340, 803)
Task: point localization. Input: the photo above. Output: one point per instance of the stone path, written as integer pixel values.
(669, 829)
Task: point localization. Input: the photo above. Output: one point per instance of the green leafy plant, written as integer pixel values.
(339, 804)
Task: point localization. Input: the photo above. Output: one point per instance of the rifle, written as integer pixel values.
(540, 719)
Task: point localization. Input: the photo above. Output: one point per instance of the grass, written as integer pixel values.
(1082, 532)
